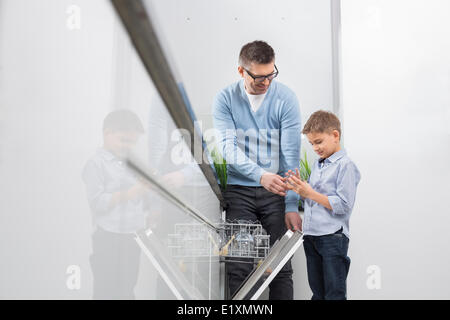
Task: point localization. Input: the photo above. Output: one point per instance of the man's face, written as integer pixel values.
(323, 143)
(252, 86)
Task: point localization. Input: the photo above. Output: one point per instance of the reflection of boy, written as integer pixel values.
(116, 202)
(328, 197)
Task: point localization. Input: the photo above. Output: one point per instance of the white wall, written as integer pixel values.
(205, 38)
(55, 90)
(395, 110)
(56, 86)
(396, 114)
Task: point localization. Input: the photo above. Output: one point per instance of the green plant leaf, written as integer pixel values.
(220, 165)
(305, 169)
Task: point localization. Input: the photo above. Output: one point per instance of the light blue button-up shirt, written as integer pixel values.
(104, 174)
(336, 177)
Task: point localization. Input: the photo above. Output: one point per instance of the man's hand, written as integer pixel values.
(293, 221)
(274, 183)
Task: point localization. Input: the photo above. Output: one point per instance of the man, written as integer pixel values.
(258, 122)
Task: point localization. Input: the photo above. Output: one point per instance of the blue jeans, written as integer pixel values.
(327, 264)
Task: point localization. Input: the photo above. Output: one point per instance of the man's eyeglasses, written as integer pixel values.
(260, 79)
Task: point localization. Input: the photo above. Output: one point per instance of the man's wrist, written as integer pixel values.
(291, 207)
(260, 175)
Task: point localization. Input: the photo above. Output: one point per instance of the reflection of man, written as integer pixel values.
(167, 152)
(268, 113)
(115, 197)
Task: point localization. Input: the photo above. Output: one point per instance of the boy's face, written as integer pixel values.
(120, 142)
(324, 143)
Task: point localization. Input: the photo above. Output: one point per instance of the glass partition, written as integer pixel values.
(107, 191)
(76, 103)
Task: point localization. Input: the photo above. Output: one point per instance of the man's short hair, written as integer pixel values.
(258, 52)
(123, 120)
(322, 121)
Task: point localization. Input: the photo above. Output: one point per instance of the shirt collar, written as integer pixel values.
(106, 155)
(244, 93)
(336, 156)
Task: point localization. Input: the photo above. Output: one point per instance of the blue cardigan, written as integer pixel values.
(253, 143)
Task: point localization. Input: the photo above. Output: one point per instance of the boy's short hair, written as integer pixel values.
(123, 120)
(322, 121)
(258, 51)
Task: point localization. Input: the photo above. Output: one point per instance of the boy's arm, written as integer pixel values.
(290, 144)
(320, 199)
(343, 199)
(99, 199)
(305, 191)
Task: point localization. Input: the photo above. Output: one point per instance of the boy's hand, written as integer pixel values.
(293, 221)
(295, 183)
(136, 191)
(274, 183)
(290, 173)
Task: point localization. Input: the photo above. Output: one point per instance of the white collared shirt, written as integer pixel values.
(255, 100)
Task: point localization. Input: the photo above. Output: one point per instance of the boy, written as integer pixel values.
(116, 199)
(328, 201)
